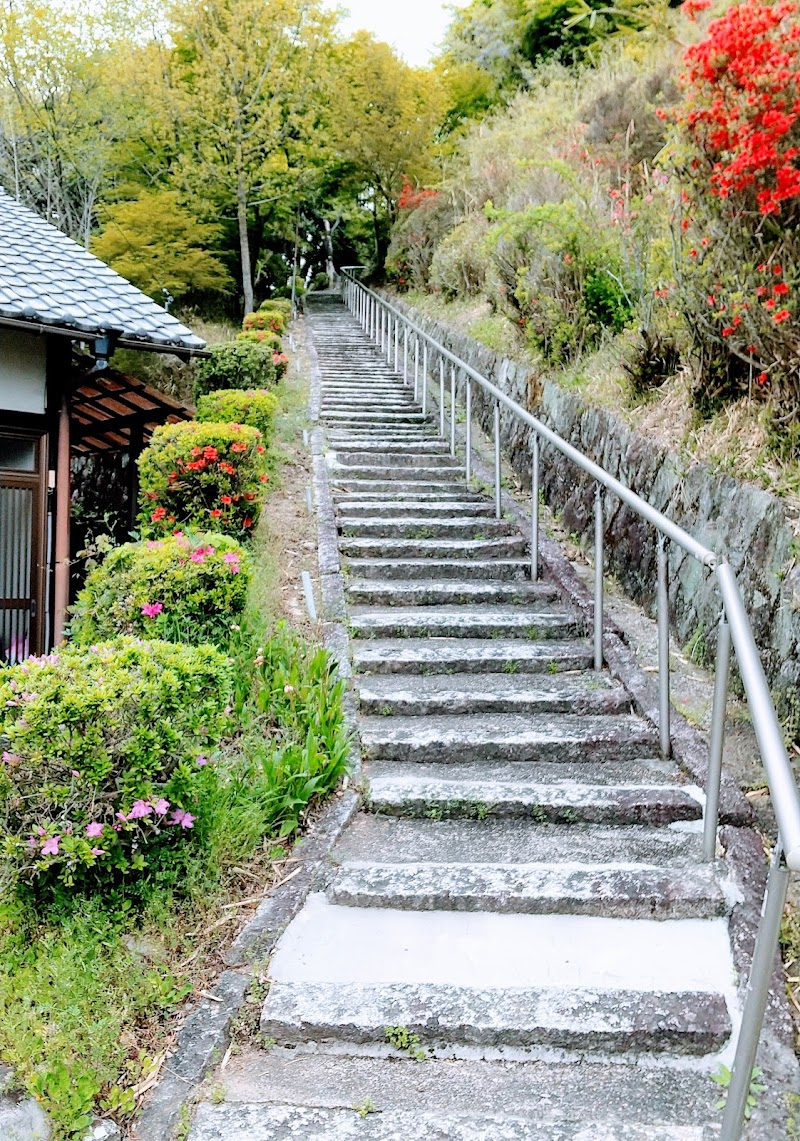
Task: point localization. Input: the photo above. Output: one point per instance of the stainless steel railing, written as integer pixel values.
(383, 322)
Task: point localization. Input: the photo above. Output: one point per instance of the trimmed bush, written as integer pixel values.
(105, 757)
(279, 304)
(179, 589)
(236, 364)
(261, 337)
(257, 409)
(281, 362)
(269, 320)
(201, 476)
(459, 265)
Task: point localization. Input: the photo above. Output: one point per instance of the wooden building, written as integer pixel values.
(62, 314)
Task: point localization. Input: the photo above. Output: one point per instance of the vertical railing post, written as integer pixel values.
(396, 343)
(716, 743)
(598, 577)
(389, 337)
(468, 458)
(405, 354)
(416, 366)
(452, 410)
(663, 650)
(425, 378)
(498, 494)
(756, 997)
(441, 396)
(535, 508)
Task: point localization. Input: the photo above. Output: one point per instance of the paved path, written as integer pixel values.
(521, 898)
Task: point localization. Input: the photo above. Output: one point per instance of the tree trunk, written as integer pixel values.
(244, 245)
(330, 269)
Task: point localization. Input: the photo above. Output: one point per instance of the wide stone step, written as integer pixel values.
(505, 546)
(437, 489)
(490, 693)
(436, 573)
(494, 791)
(481, 621)
(413, 458)
(424, 447)
(469, 655)
(621, 891)
(507, 737)
(447, 1018)
(238, 1121)
(430, 593)
(415, 509)
(385, 419)
(419, 472)
(379, 526)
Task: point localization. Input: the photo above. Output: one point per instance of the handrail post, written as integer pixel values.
(425, 378)
(598, 578)
(468, 459)
(405, 354)
(416, 367)
(396, 344)
(756, 996)
(389, 337)
(452, 410)
(663, 651)
(498, 494)
(715, 748)
(441, 396)
(535, 508)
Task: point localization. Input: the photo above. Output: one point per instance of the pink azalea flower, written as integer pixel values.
(121, 816)
(161, 807)
(152, 609)
(198, 556)
(94, 830)
(141, 808)
(50, 847)
(201, 760)
(10, 758)
(98, 851)
(185, 819)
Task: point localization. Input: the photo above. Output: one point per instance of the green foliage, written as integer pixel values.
(402, 1039)
(277, 304)
(202, 476)
(272, 320)
(459, 264)
(199, 581)
(263, 337)
(256, 408)
(89, 734)
(414, 241)
(723, 1080)
(236, 364)
(157, 243)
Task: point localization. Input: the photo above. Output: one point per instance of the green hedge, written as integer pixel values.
(206, 477)
(180, 589)
(260, 337)
(105, 750)
(268, 320)
(278, 304)
(236, 364)
(257, 408)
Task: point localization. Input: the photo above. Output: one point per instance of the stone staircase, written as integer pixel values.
(522, 898)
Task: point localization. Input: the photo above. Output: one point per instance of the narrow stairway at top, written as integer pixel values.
(521, 899)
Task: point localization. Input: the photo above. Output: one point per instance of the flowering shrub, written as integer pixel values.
(411, 197)
(271, 320)
(281, 362)
(236, 364)
(257, 408)
(107, 757)
(180, 589)
(261, 337)
(279, 304)
(202, 476)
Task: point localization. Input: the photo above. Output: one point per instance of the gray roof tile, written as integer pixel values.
(47, 278)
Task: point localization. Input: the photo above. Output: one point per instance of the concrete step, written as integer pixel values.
(463, 1100)
(495, 790)
(508, 737)
(424, 446)
(430, 488)
(415, 509)
(259, 1122)
(399, 694)
(481, 621)
(385, 419)
(620, 891)
(467, 527)
(469, 655)
(419, 473)
(424, 461)
(377, 592)
(505, 546)
(439, 573)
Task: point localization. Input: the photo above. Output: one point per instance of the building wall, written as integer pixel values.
(23, 372)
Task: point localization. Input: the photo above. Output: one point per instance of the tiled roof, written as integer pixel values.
(48, 279)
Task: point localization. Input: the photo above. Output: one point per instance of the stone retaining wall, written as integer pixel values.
(746, 525)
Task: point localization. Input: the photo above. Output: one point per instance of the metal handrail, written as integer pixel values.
(377, 315)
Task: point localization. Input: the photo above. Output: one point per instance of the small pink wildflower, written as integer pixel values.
(10, 758)
(198, 556)
(161, 807)
(94, 830)
(98, 851)
(185, 819)
(141, 808)
(50, 847)
(121, 816)
(152, 609)
(201, 760)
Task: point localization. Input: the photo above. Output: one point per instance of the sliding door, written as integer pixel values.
(23, 471)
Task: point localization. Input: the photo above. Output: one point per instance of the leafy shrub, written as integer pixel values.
(204, 476)
(458, 267)
(271, 320)
(261, 337)
(256, 408)
(237, 364)
(179, 589)
(281, 362)
(105, 756)
(414, 241)
(278, 304)
(319, 282)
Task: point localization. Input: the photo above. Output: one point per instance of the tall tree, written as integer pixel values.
(250, 80)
